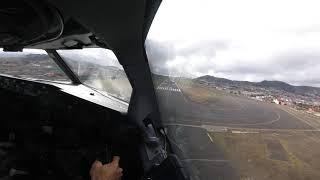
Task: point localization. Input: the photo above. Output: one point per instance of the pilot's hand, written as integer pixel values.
(110, 171)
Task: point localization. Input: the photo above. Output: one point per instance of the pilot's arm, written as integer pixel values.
(110, 171)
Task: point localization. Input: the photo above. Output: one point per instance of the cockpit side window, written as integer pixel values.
(31, 64)
(99, 69)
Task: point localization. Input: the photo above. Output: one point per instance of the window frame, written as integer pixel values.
(68, 72)
(64, 66)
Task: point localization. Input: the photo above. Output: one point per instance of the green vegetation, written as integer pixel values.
(250, 155)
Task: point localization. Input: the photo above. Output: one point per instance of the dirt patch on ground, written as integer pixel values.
(276, 150)
(200, 94)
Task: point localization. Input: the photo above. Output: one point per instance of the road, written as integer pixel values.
(189, 122)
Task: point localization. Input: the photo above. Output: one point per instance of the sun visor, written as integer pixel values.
(28, 22)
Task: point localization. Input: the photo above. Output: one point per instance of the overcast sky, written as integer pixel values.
(250, 40)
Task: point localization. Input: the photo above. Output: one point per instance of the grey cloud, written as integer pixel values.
(307, 29)
(204, 48)
(243, 68)
(296, 66)
(159, 53)
(294, 61)
(299, 59)
(301, 68)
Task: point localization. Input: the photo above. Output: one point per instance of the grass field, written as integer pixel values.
(194, 91)
(284, 156)
(198, 93)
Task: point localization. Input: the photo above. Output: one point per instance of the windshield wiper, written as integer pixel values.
(63, 66)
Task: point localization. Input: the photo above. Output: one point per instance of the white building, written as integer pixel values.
(276, 101)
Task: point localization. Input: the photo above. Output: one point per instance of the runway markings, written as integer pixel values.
(210, 137)
(311, 122)
(169, 89)
(163, 86)
(242, 128)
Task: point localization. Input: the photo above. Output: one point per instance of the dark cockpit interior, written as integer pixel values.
(46, 133)
(52, 132)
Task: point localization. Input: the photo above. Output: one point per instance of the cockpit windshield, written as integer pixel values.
(99, 69)
(238, 85)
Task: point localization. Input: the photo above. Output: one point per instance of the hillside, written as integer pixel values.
(269, 85)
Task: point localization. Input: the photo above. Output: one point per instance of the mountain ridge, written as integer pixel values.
(266, 84)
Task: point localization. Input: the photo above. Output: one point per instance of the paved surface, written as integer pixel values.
(188, 124)
(228, 111)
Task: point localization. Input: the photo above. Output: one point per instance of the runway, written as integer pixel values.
(188, 123)
(230, 111)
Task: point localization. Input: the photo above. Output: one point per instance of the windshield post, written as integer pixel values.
(63, 65)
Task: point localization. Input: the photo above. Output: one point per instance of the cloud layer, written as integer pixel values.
(241, 42)
(298, 67)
